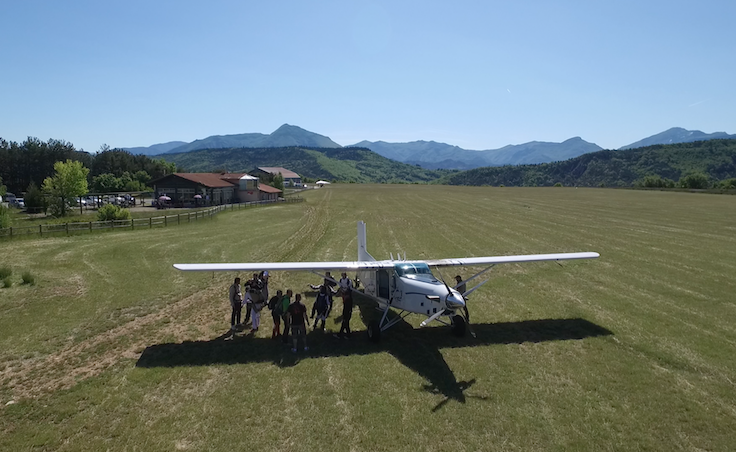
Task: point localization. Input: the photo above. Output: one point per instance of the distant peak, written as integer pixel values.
(285, 127)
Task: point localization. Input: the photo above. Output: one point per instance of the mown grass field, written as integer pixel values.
(113, 349)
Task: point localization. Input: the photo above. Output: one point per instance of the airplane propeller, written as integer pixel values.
(463, 313)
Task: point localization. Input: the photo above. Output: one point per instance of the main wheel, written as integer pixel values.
(374, 331)
(458, 326)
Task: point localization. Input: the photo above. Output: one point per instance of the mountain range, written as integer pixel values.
(427, 154)
(677, 135)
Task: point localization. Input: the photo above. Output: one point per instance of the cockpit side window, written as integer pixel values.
(406, 269)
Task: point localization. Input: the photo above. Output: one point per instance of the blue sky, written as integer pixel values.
(477, 74)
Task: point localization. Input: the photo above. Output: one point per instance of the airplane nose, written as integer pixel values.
(455, 301)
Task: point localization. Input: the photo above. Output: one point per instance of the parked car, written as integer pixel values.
(10, 199)
(20, 203)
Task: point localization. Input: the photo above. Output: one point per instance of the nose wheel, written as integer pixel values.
(374, 331)
(458, 326)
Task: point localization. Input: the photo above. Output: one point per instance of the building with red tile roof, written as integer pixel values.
(187, 189)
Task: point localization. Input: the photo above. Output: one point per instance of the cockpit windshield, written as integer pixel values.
(416, 270)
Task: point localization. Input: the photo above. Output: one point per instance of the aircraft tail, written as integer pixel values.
(363, 255)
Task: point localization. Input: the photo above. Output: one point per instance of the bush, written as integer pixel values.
(112, 212)
(727, 184)
(28, 278)
(558, 184)
(5, 272)
(7, 282)
(655, 181)
(4, 217)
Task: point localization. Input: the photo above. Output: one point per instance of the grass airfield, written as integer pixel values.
(113, 349)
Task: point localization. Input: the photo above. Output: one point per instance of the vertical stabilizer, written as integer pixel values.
(363, 255)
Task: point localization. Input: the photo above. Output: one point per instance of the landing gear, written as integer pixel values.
(374, 331)
(458, 326)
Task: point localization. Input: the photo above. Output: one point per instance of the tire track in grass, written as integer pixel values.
(63, 369)
(91, 356)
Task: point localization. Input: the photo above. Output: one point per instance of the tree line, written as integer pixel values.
(26, 165)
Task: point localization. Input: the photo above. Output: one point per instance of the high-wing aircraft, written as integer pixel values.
(408, 286)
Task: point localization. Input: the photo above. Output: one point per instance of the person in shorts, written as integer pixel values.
(298, 320)
(274, 304)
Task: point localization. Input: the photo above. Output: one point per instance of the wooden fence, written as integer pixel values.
(44, 230)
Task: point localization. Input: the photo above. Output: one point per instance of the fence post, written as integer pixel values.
(111, 224)
(40, 230)
(178, 218)
(67, 228)
(90, 226)
(11, 231)
(166, 220)
(132, 224)
(150, 222)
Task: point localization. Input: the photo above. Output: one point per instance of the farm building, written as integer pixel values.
(212, 188)
(291, 179)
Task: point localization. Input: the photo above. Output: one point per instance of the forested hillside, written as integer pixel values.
(338, 164)
(715, 158)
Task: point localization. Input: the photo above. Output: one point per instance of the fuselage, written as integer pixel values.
(411, 286)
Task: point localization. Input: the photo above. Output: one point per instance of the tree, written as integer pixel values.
(69, 182)
(106, 183)
(278, 182)
(3, 189)
(35, 200)
(695, 181)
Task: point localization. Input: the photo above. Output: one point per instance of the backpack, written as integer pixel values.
(278, 308)
(321, 303)
(272, 302)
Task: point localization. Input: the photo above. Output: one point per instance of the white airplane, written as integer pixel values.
(405, 285)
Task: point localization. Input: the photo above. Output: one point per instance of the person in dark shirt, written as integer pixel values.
(274, 304)
(236, 300)
(347, 307)
(298, 320)
(321, 307)
(285, 303)
(329, 283)
(461, 288)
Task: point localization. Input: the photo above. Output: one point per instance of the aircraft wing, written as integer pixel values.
(490, 260)
(285, 266)
(368, 265)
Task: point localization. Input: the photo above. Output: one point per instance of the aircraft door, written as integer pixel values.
(383, 284)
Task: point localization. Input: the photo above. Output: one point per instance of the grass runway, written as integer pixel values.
(113, 349)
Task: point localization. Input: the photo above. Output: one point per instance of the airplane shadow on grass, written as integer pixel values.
(417, 349)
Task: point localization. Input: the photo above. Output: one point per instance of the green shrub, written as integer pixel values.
(28, 278)
(7, 282)
(5, 272)
(112, 212)
(695, 181)
(558, 184)
(4, 217)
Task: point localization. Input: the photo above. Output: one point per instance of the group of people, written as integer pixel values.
(253, 297)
